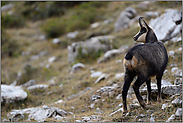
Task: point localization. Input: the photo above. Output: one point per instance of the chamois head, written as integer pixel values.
(145, 34)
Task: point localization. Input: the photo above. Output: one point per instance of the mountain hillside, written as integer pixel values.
(63, 61)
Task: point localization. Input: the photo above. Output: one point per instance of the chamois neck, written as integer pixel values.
(151, 36)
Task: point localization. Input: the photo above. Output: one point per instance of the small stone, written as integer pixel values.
(101, 77)
(96, 74)
(119, 96)
(178, 112)
(171, 118)
(134, 105)
(72, 35)
(177, 102)
(119, 75)
(77, 67)
(56, 41)
(59, 101)
(164, 106)
(119, 110)
(51, 59)
(95, 25)
(38, 86)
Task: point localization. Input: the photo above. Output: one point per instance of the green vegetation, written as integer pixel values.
(21, 31)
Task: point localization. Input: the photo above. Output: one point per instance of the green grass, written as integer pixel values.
(27, 39)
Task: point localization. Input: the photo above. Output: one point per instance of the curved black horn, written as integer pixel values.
(146, 24)
(140, 21)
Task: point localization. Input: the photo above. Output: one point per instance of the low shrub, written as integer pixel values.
(9, 47)
(12, 21)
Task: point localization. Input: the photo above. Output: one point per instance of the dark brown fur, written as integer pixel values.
(144, 61)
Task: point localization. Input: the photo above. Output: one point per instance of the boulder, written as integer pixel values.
(111, 53)
(11, 93)
(166, 88)
(39, 114)
(7, 7)
(92, 45)
(165, 32)
(124, 18)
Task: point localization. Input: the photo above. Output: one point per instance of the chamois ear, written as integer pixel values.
(146, 24)
(140, 22)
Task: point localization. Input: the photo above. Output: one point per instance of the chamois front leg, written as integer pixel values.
(159, 99)
(148, 83)
(127, 81)
(140, 80)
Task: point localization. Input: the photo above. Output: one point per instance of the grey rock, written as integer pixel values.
(95, 97)
(25, 53)
(124, 18)
(56, 41)
(117, 111)
(7, 7)
(172, 89)
(151, 14)
(51, 59)
(171, 118)
(119, 96)
(39, 114)
(135, 105)
(79, 94)
(177, 102)
(95, 25)
(29, 83)
(96, 74)
(101, 77)
(111, 53)
(42, 37)
(77, 67)
(37, 86)
(164, 106)
(72, 35)
(164, 32)
(119, 75)
(92, 45)
(144, 5)
(10, 93)
(16, 117)
(178, 112)
(167, 88)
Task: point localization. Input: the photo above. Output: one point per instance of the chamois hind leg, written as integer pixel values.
(127, 81)
(140, 80)
(148, 83)
(159, 99)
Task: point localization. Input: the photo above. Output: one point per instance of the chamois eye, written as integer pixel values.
(143, 30)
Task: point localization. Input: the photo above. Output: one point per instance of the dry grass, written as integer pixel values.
(74, 83)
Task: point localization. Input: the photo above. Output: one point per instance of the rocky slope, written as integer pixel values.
(80, 80)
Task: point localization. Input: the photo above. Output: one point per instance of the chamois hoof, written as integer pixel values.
(149, 102)
(124, 112)
(143, 105)
(159, 100)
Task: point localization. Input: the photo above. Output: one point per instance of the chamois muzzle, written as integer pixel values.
(137, 36)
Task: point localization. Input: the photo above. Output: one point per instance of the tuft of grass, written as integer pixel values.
(12, 21)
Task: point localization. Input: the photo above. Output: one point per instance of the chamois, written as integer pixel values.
(144, 61)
